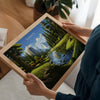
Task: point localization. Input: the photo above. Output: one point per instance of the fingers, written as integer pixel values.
(68, 26)
(29, 75)
(67, 23)
(32, 79)
(27, 83)
(29, 80)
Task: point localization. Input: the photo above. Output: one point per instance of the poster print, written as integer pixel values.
(46, 51)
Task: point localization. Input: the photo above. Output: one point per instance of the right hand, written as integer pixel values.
(80, 31)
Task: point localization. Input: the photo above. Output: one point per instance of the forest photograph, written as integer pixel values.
(47, 51)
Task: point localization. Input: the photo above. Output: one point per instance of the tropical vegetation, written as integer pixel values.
(55, 6)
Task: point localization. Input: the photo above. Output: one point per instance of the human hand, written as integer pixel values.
(80, 31)
(36, 87)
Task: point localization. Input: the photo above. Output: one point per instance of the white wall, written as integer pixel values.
(91, 12)
(83, 15)
(96, 19)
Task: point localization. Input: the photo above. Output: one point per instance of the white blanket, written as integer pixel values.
(3, 35)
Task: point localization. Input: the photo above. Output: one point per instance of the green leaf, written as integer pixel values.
(65, 9)
(60, 7)
(75, 2)
(67, 3)
(47, 4)
(61, 13)
(53, 2)
(69, 44)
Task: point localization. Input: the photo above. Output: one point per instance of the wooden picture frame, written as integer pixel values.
(6, 58)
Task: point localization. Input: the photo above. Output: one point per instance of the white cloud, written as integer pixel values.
(40, 42)
(55, 55)
(44, 46)
(26, 49)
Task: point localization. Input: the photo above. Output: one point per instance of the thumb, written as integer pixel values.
(67, 26)
(67, 23)
(29, 75)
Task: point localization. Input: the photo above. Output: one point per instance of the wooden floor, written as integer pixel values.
(18, 10)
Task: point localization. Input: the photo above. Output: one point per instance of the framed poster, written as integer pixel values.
(46, 50)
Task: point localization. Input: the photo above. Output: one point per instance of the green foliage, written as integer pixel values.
(70, 43)
(60, 45)
(70, 62)
(67, 2)
(15, 49)
(48, 4)
(61, 8)
(53, 74)
(78, 48)
(52, 32)
(14, 53)
(59, 4)
(36, 57)
(39, 72)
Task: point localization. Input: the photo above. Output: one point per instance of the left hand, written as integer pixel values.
(36, 87)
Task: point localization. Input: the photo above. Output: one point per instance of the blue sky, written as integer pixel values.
(30, 38)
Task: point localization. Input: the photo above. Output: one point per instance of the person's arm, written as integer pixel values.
(83, 31)
(36, 87)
